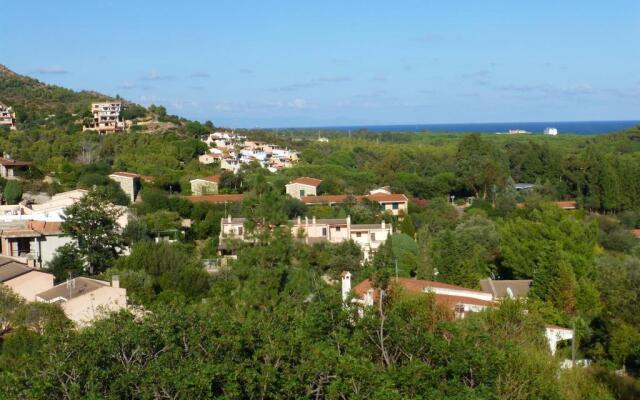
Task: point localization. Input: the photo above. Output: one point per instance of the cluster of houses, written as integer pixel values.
(7, 116)
(460, 300)
(82, 299)
(231, 151)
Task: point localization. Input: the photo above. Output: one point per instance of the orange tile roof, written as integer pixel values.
(46, 227)
(305, 180)
(383, 197)
(636, 232)
(211, 178)
(567, 205)
(216, 198)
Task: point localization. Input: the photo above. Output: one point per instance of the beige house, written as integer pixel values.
(7, 116)
(10, 169)
(129, 182)
(392, 203)
(106, 117)
(311, 231)
(205, 185)
(84, 299)
(303, 186)
(23, 280)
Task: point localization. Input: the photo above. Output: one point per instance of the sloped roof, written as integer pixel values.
(16, 163)
(13, 269)
(210, 178)
(384, 198)
(305, 180)
(75, 288)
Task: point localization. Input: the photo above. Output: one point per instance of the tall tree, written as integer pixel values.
(93, 223)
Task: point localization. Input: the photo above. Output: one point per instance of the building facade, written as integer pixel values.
(205, 185)
(106, 117)
(7, 116)
(303, 186)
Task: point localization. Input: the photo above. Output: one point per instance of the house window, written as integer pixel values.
(324, 231)
(337, 229)
(373, 237)
(394, 206)
(302, 193)
(240, 230)
(358, 234)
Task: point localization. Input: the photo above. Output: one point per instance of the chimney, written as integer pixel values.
(383, 224)
(299, 220)
(229, 218)
(314, 220)
(306, 220)
(115, 281)
(348, 220)
(346, 285)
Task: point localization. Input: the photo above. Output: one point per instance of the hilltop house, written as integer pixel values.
(205, 185)
(7, 116)
(106, 117)
(10, 169)
(311, 231)
(22, 279)
(129, 182)
(303, 186)
(84, 299)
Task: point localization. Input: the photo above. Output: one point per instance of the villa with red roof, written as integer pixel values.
(205, 185)
(303, 186)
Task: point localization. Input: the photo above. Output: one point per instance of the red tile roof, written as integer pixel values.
(216, 198)
(305, 180)
(386, 198)
(325, 199)
(211, 178)
(46, 227)
(567, 205)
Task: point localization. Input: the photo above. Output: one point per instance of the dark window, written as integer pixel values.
(394, 206)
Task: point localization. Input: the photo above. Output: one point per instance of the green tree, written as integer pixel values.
(13, 192)
(92, 222)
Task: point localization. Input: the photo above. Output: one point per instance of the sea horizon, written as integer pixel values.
(563, 127)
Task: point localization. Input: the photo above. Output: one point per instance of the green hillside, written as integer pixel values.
(34, 100)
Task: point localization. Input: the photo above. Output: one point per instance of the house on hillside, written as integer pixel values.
(392, 203)
(7, 116)
(312, 230)
(461, 300)
(205, 185)
(32, 242)
(25, 281)
(106, 117)
(84, 299)
(303, 186)
(11, 169)
(129, 182)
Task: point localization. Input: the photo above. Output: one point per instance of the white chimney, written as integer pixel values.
(229, 218)
(298, 220)
(346, 285)
(314, 220)
(348, 220)
(383, 224)
(115, 281)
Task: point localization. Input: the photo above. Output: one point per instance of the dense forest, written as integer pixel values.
(271, 325)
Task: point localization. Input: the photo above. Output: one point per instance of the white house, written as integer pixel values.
(24, 280)
(205, 185)
(303, 186)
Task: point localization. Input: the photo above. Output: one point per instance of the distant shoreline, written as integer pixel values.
(564, 127)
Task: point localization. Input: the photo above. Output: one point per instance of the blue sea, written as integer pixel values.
(564, 127)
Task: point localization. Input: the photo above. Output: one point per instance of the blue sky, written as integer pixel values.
(302, 63)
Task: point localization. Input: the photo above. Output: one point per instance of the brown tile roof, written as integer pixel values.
(305, 180)
(32, 229)
(453, 300)
(567, 205)
(13, 270)
(126, 174)
(325, 199)
(46, 227)
(211, 178)
(636, 232)
(7, 162)
(216, 198)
